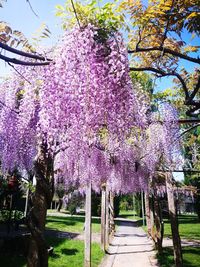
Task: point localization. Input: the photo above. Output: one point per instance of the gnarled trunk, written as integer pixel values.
(174, 222)
(41, 199)
(159, 225)
(156, 222)
(60, 202)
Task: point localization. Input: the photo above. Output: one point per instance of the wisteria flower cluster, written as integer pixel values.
(84, 92)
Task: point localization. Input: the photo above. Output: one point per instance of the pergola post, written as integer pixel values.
(26, 203)
(147, 212)
(88, 235)
(107, 220)
(142, 200)
(103, 215)
(112, 222)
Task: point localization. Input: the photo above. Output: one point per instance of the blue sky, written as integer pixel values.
(20, 17)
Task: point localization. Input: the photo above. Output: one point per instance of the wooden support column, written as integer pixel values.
(174, 222)
(112, 222)
(87, 260)
(107, 220)
(147, 213)
(103, 215)
(142, 200)
(151, 205)
(26, 203)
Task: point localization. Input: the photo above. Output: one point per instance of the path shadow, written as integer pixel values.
(60, 234)
(128, 245)
(126, 235)
(129, 252)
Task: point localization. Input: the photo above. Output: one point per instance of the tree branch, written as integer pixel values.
(165, 50)
(19, 73)
(32, 8)
(74, 9)
(21, 53)
(196, 89)
(167, 25)
(3, 104)
(164, 74)
(21, 62)
(192, 110)
(189, 129)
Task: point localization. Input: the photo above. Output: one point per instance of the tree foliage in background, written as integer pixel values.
(157, 42)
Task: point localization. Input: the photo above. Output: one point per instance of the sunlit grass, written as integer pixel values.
(191, 257)
(74, 224)
(189, 227)
(129, 214)
(71, 253)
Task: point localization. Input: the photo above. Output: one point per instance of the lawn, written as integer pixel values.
(74, 224)
(191, 257)
(66, 253)
(189, 227)
(71, 253)
(129, 214)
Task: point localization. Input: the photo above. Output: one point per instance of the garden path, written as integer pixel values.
(130, 247)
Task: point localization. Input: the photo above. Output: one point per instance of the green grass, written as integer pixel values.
(72, 224)
(66, 253)
(191, 257)
(189, 227)
(129, 214)
(71, 253)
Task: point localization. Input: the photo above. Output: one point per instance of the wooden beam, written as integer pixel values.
(188, 171)
(185, 121)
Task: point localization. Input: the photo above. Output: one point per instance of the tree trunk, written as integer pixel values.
(174, 222)
(158, 224)
(60, 202)
(41, 199)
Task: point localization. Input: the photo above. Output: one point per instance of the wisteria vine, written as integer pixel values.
(85, 107)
